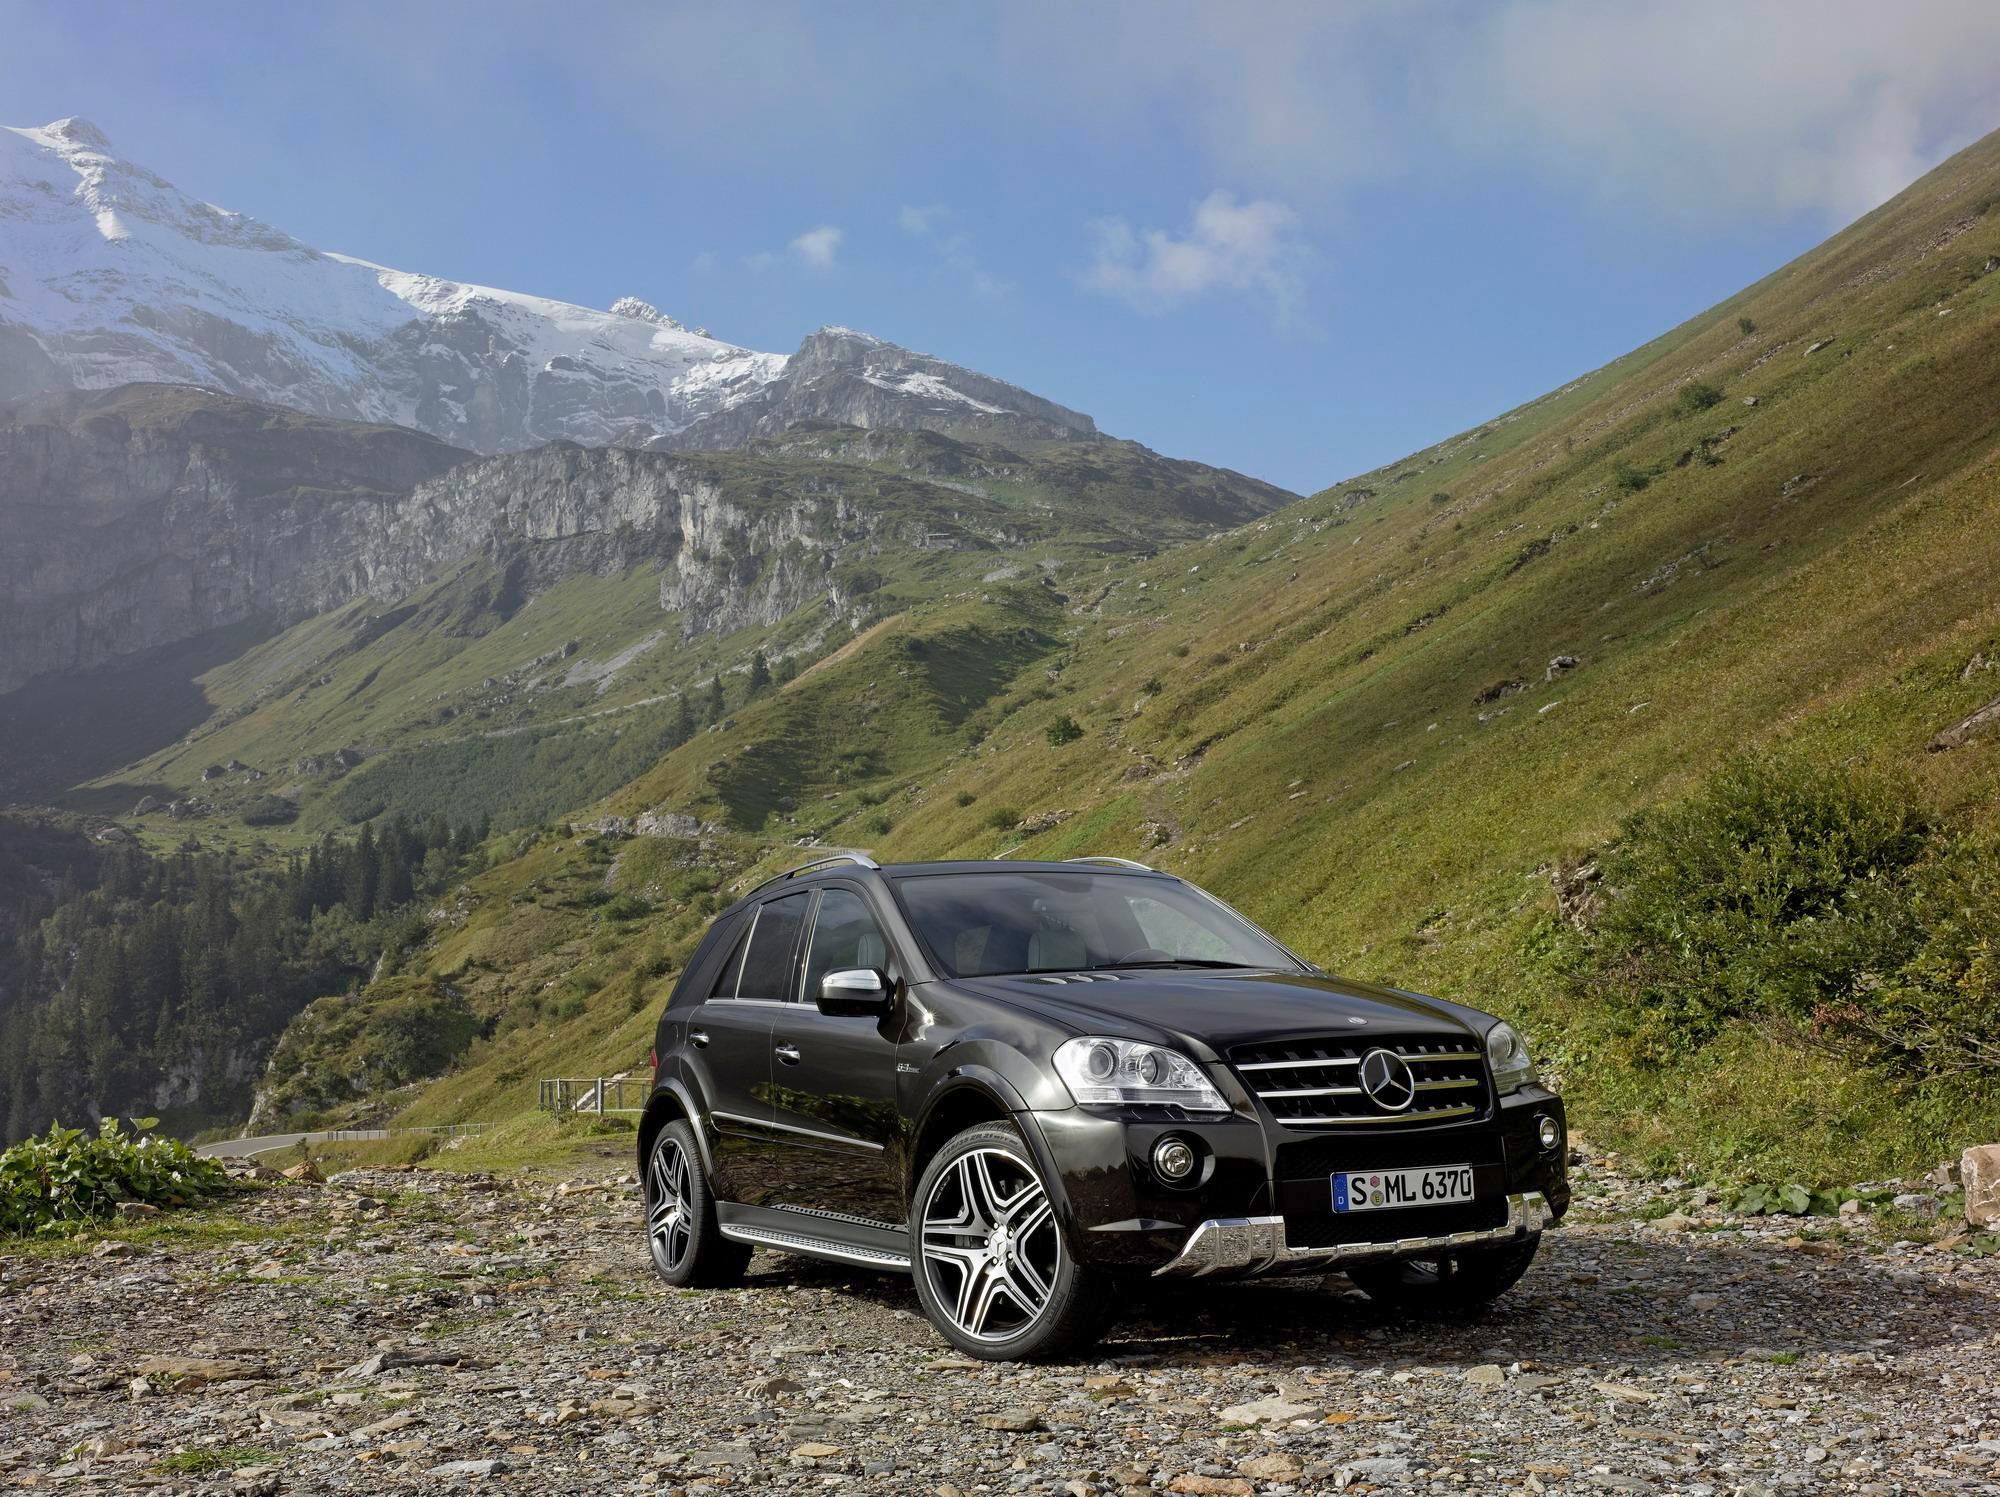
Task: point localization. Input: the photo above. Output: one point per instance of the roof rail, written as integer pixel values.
(860, 859)
(1119, 862)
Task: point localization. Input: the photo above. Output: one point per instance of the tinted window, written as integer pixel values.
(725, 980)
(986, 924)
(844, 935)
(772, 963)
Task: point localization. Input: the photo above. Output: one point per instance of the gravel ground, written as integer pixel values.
(422, 1331)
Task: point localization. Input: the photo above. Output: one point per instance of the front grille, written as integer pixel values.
(1318, 1083)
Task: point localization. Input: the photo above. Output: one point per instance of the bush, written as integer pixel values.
(1697, 396)
(1003, 818)
(67, 1178)
(1817, 900)
(1745, 326)
(1630, 479)
(964, 798)
(1065, 729)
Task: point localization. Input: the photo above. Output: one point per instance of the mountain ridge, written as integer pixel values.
(114, 276)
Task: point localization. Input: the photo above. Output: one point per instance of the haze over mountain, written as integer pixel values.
(111, 275)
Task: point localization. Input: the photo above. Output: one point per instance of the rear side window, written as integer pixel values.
(770, 968)
(725, 980)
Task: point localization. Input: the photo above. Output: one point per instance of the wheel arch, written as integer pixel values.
(670, 1100)
(965, 1098)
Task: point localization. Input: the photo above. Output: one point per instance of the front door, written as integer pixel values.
(833, 1080)
(729, 1049)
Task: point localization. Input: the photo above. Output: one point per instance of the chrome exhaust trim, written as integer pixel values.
(1256, 1244)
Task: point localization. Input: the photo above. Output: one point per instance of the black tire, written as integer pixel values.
(995, 1275)
(687, 1248)
(1452, 1284)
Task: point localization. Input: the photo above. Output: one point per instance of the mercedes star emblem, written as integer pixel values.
(1386, 1077)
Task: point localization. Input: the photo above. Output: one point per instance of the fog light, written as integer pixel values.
(1174, 1160)
(1550, 1132)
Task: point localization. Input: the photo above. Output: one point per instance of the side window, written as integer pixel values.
(771, 965)
(725, 980)
(844, 935)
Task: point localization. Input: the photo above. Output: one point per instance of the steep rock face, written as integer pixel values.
(846, 378)
(737, 545)
(136, 517)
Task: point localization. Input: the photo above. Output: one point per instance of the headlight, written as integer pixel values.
(1114, 1073)
(1507, 1054)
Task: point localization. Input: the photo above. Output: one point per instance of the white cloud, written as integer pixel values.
(1236, 246)
(937, 225)
(816, 247)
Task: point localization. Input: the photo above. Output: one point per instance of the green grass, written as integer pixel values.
(208, 1462)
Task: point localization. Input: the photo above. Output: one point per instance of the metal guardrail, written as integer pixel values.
(592, 1094)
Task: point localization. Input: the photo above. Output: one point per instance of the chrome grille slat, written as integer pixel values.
(1313, 1083)
(1415, 1115)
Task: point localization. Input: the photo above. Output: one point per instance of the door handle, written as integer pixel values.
(789, 1054)
(698, 1036)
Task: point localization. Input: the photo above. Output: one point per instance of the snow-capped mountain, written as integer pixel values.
(110, 274)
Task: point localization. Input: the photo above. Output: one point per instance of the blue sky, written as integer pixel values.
(1296, 240)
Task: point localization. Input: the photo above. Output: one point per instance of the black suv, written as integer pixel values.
(1021, 1081)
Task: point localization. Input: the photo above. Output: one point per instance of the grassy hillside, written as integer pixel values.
(529, 680)
(1384, 720)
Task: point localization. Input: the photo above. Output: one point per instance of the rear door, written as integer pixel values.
(729, 1048)
(834, 1081)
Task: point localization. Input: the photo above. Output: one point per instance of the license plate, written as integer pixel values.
(1378, 1190)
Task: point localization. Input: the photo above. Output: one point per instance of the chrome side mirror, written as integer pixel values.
(854, 992)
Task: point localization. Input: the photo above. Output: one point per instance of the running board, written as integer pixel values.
(816, 1247)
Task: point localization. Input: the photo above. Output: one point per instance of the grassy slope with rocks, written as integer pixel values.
(1344, 716)
(497, 700)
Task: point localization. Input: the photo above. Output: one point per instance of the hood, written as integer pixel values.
(1209, 1013)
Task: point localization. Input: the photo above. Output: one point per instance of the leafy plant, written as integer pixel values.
(66, 1178)
(1745, 326)
(1065, 729)
(1697, 396)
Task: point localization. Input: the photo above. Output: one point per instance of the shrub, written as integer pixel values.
(1745, 326)
(67, 1178)
(1151, 686)
(881, 826)
(1697, 396)
(964, 798)
(1821, 901)
(1065, 729)
(1003, 818)
(1630, 479)
(627, 907)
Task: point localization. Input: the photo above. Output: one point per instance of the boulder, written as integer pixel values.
(1979, 1172)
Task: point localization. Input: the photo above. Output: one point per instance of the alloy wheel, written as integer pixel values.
(991, 1247)
(670, 1203)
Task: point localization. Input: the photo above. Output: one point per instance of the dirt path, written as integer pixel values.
(417, 1331)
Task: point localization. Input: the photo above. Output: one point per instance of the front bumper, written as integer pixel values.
(1262, 1201)
(1257, 1244)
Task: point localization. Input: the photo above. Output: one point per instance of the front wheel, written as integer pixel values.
(687, 1247)
(992, 1269)
(1452, 1284)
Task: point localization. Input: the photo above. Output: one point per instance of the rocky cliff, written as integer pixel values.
(142, 516)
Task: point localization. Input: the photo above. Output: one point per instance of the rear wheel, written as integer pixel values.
(687, 1247)
(992, 1269)
(1447, 1284)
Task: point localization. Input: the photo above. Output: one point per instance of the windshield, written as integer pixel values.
(991, 924)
